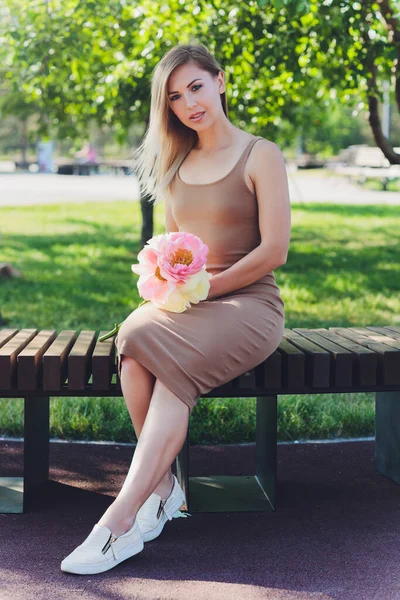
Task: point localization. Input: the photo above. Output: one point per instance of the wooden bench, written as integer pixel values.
(367, 162)
(36, 365)
(88, 168)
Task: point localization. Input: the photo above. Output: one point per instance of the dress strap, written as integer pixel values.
(247, 150)
(240, 165)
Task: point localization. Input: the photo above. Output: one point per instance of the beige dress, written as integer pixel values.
(216, 340)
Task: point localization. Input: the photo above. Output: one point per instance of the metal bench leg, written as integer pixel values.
(36, 445)
(15, 492)
(266, 446)
(387, 434)
(237, 493)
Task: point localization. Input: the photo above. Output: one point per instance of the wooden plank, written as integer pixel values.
(269, 372)
(8, 357)
(375, 336)
(388, 372)
(317, 362)
(30, 361)
(293, 362)
(341, 371)
(102, 361)
(247, 380)
(384, 332)
(364, 360)
(393, 328)
(55, 360)
(6, 335)
(80, 360)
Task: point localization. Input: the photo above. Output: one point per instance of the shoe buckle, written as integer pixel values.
(161, 508)
(108, 543)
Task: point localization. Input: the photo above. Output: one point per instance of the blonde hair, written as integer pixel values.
(167, 140)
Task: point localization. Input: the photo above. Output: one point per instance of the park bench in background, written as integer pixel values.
(38, 365)
(88, 168)
(366, 162)
(74, 167)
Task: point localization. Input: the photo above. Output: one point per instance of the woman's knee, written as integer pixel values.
(133, 367)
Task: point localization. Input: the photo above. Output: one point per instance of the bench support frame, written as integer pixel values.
(16, 492)
(387, 434)
(237, 493)
(214, 493)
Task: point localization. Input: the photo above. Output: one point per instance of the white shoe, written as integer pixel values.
(102, 551)
(156, 511)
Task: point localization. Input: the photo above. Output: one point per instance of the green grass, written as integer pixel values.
(342, 270)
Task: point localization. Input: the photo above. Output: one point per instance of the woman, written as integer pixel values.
(229, 188)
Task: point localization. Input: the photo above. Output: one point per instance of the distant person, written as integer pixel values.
(87, 154)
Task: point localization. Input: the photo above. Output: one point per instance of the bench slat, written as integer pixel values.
(8, 357)
(390, 334)
(29, 361)
(342, 359)
(55, 360)
(102, 359)
(364, 360)
(79, 360)
(388, 371)
(6, 335)
(392, 328)
(269, 373)
(390, 358)
(293, 366)
(247, 380)
(317, 361)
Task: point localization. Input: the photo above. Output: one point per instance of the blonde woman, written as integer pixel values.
(230, 188)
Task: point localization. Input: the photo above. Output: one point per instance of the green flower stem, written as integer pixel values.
(114, 331)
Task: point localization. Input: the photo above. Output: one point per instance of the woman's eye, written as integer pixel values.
(195, 86)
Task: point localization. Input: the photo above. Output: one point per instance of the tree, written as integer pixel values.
(285, 60)
(352, 46)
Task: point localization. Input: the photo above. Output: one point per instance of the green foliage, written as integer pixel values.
(284, 59)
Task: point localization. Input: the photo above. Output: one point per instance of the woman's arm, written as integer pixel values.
(267, 170)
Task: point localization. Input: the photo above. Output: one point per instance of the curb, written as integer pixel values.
(111, 443)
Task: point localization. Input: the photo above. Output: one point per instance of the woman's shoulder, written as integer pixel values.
(265, 154)
(266, 148)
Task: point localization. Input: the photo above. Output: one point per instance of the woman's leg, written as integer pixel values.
(162, 437)
(137, 384)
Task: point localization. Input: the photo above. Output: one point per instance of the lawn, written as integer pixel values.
(343, 269)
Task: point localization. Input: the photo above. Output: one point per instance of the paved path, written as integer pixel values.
(333, 536)
(304, 187)
(42, 188)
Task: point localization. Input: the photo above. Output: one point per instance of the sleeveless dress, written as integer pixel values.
(216, 340)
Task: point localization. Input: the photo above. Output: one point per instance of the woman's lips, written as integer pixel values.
(198, 118)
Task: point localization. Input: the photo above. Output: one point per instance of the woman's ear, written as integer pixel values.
(221, 78)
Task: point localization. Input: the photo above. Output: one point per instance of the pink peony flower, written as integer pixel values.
(184, 255)
(172, 272)
(167, 260)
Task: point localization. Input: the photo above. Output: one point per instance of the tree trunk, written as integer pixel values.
(373, 103)
(147, 219)
(24, 147)
(147, 212)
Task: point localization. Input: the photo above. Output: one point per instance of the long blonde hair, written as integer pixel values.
(167, 140)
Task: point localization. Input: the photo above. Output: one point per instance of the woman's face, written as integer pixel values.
(192, 90)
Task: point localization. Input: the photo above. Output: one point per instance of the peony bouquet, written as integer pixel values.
(172, 269)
